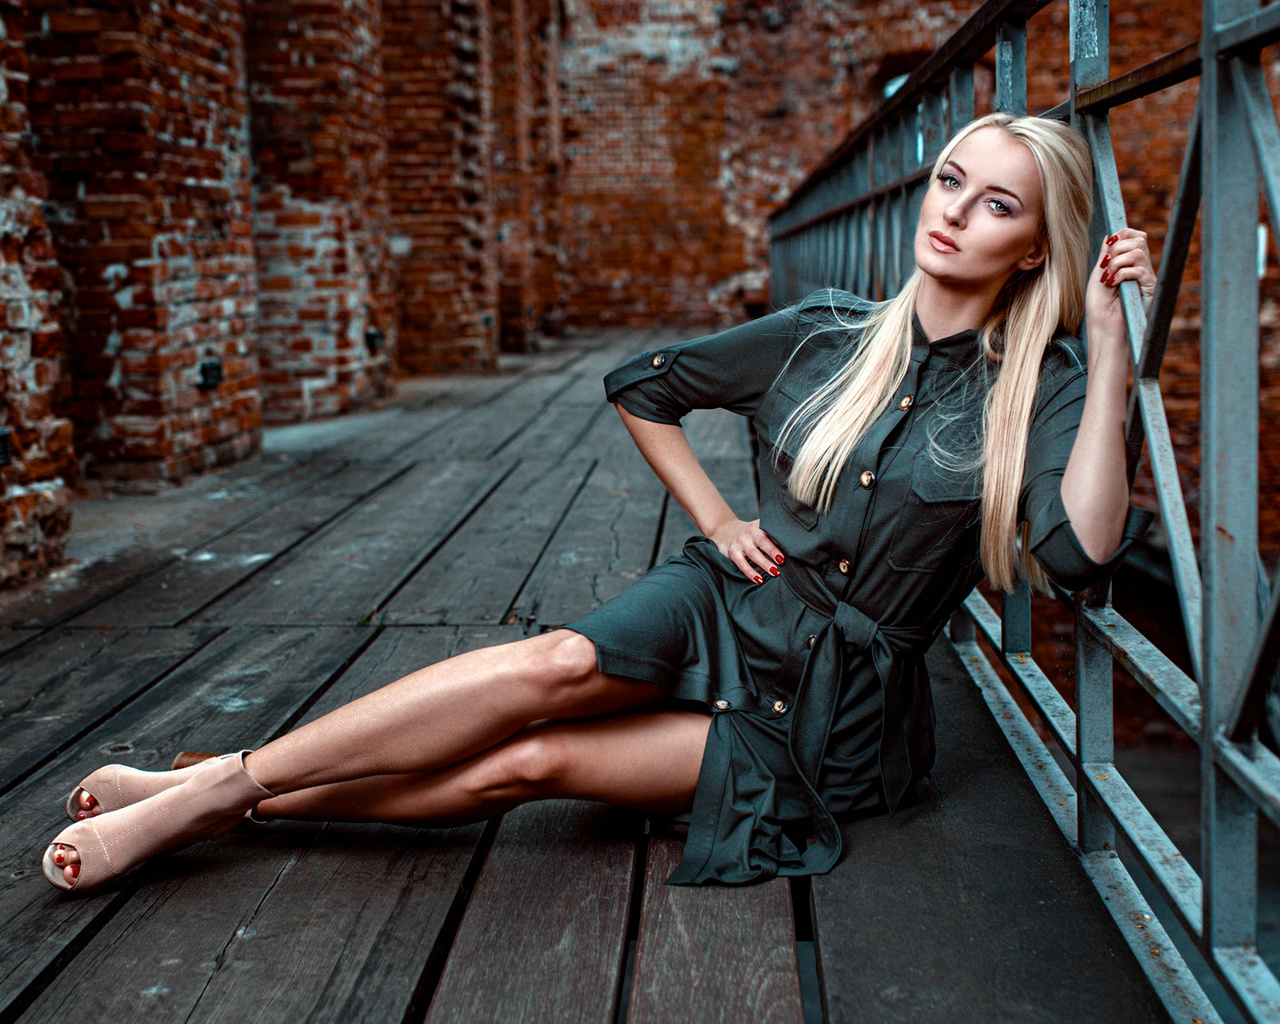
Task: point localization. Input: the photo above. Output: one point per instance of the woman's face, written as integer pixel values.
(981, 218)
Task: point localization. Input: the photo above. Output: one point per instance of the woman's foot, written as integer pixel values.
(115, 785)
(99, 849)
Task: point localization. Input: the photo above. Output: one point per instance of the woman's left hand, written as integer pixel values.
(1125, 256)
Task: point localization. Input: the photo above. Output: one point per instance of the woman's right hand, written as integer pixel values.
(749, 548)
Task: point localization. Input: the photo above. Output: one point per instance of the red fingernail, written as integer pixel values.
(773, 571)
(1105, 260)
(1113, 239)
(75, 870)
(779, 559)
(81, 815)
(58, 857)
(758, 579)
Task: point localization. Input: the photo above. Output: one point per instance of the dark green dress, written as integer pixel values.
(816, 678)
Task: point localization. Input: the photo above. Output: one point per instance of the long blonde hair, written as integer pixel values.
(1031, 308)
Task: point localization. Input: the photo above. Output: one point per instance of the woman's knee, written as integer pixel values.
(527, 767)
(567, 658)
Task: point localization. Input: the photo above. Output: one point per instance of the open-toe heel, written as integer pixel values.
(211, 800)
(116, 785)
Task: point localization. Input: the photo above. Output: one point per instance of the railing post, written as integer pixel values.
(1095, 735)
(1095, 719)
(1011, 68)
(1229, 481)
(1090, 43)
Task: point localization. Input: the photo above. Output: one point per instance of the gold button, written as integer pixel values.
(779, 707)
(868, 478)
(812, 640)
(906, 402)
(659, 360)
(722, 705)
(843, 566)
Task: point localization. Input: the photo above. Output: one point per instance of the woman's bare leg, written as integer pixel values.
(647, 761)
(438, 716)
(447, 712)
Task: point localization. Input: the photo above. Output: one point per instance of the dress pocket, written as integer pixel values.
(943, 511)
(774, 411)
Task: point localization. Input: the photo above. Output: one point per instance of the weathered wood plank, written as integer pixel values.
(713, 954)
(392, 430)
(736, 482)
(559, 429)
(13, 638)
(476, 575)
(718, 434)
(544, 935)
(68, 681)
(183, 519)
(200, 576)
(604, 544)
(289, 921)
(482, 431)
(345, 572)
(236, 691)
(968, 905)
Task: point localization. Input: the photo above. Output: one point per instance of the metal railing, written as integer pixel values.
(851, 224)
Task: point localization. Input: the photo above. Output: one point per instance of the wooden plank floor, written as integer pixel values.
(485, 510)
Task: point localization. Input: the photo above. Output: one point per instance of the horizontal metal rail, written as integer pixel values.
(851, 224)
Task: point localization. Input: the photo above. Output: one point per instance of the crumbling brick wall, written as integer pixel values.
(686, 122)
(546, 212)
(35, 499)
(326, 318)
(438, 64)
(512, 178)
(142, 128)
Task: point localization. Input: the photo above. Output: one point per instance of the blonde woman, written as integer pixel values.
(770, 678)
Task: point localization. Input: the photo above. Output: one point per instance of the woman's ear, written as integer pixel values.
(1034, 258)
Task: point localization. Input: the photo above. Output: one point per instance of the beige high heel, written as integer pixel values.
(212, 799)
(116, 785)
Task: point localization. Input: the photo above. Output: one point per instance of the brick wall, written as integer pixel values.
(326, 323)
(546, 211)
(512, 167)
(35, 500)
(438, 64)
(686, 122)
(140, 115)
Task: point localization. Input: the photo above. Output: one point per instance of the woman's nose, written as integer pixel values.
(954, 213)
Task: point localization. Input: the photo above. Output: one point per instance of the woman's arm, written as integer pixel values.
(668, 452)
(1095, 485)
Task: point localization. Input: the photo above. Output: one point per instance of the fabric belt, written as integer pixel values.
(817, 696)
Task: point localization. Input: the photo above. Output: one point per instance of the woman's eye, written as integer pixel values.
(996, 206)
(949, 180)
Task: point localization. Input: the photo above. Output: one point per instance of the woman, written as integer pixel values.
(770, 678)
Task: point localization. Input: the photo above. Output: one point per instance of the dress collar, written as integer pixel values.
(961, 348)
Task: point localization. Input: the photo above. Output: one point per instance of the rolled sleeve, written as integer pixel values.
(1063, 559)
(733, 369)
(1056, 418)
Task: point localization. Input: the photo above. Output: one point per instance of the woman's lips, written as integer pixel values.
(943, 243)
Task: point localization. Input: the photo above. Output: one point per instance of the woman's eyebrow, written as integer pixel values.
(990, 188)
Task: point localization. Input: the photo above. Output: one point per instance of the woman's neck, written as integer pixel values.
(944, 311)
